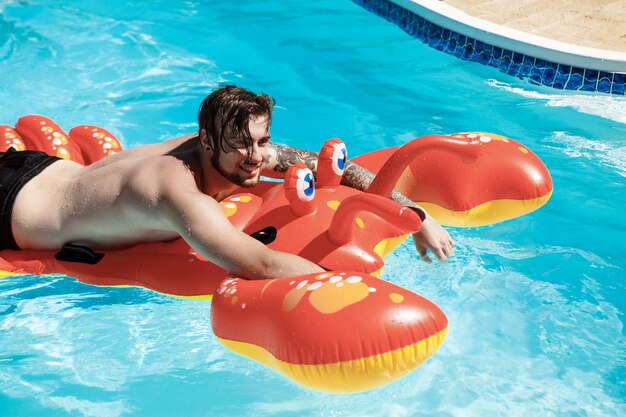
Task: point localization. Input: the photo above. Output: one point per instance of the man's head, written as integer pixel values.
(234, 125)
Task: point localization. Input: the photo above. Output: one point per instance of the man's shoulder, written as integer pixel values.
(163, 174)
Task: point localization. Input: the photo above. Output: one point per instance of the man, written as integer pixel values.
(162, 191)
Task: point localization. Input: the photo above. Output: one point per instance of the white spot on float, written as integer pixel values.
(343, 274)
(107, 139)
(485, 139)
(371, 289)
(339, 284)
(302, 284)
(243, 306)
(230, 205)
(57, 142)
(235, 199)
(107, 146)
(95, 135)
(314, 286)
(56, 134)
(472, 135)
(335, 279)
(354, 279)
(292, 282)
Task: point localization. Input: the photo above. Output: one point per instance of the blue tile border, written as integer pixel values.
(537, 71)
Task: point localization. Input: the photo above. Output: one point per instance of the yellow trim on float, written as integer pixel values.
(202, 297)
(484, 214)
(386, 246)
(348, 376)
(4, 274)
(205, 297)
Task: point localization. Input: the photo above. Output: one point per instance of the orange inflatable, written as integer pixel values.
(341, 331)
(507, 180)
(338, 331)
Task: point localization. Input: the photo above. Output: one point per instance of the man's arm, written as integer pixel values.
(431, 236)
(200, 220)
(279, 158)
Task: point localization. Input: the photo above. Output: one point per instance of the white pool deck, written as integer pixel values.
(599, 24)
(583, 33)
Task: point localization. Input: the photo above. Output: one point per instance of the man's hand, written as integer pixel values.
(435, 238)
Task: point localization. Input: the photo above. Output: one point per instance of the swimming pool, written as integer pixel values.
(536, 305)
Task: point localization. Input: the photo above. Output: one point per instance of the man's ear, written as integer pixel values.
(204, 139)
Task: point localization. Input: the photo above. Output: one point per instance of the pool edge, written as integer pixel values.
(541, 60)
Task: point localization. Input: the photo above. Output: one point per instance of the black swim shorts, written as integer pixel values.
(16, 169)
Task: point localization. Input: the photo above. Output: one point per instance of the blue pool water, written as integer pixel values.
(536, 304)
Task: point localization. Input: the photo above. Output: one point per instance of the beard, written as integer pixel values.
(234, 177)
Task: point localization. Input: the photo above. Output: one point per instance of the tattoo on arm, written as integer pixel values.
(357, 177)
(354, 175)
(287, 156)
(402, 199)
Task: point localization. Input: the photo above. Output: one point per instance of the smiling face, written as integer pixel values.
(234, 130)
(241, 163)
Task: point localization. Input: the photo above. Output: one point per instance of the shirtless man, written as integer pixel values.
(161, 191)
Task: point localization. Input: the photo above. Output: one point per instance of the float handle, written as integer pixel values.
(342, 226)
(465, 149)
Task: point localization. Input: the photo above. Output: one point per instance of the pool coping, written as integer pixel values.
(450, 17)
(539, 60)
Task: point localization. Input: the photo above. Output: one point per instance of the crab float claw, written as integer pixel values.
(338, 332)
(498, 178)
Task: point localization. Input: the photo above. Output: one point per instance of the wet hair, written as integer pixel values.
(225, 113)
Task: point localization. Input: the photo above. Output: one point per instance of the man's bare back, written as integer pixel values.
(104, 205)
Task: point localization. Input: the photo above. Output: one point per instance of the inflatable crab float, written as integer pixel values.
(341, 331)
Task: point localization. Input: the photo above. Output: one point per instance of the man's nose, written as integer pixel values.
(257, 155)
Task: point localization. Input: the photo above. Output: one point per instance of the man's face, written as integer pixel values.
(235, 165)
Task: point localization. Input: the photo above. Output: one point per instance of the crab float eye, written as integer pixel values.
(300, 189)
(340, 156)
(331, 163)
(305, 185)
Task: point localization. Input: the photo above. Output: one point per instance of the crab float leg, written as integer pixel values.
(84, 144)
